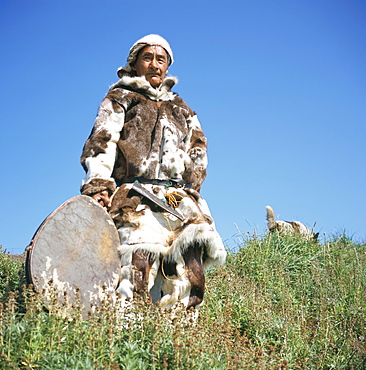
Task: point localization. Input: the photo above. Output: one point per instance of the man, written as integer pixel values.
(149, 143)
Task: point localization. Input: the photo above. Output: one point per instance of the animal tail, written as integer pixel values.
(271, 222)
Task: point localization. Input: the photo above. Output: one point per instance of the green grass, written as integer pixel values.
(278, 303)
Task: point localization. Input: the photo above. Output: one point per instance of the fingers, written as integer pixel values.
(103, 199)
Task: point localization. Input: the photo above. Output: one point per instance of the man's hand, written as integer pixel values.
(103, 198)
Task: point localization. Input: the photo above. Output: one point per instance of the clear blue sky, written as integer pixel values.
(279, 88)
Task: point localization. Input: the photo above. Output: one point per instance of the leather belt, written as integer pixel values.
(177, 183)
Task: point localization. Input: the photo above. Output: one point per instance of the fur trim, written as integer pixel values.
(152, 249)
(98, 185)
(141, 85)
(205, 235)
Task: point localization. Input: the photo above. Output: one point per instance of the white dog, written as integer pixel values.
(288, 227)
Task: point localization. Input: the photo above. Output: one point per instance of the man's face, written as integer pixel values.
(152, 62)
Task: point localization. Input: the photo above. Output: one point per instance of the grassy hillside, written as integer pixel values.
(278, 303)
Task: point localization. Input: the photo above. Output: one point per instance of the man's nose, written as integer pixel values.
(154, 63)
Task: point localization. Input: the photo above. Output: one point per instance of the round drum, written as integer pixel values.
(75, 250)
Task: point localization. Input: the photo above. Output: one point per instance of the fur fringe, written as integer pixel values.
(204, 235)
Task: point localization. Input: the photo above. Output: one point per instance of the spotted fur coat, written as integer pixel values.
(141, 131)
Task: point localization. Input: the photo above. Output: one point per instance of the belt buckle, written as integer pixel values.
(177, 183)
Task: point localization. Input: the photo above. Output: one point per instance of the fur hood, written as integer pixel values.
(141, 85)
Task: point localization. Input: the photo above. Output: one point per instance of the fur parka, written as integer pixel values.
(141, 131)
